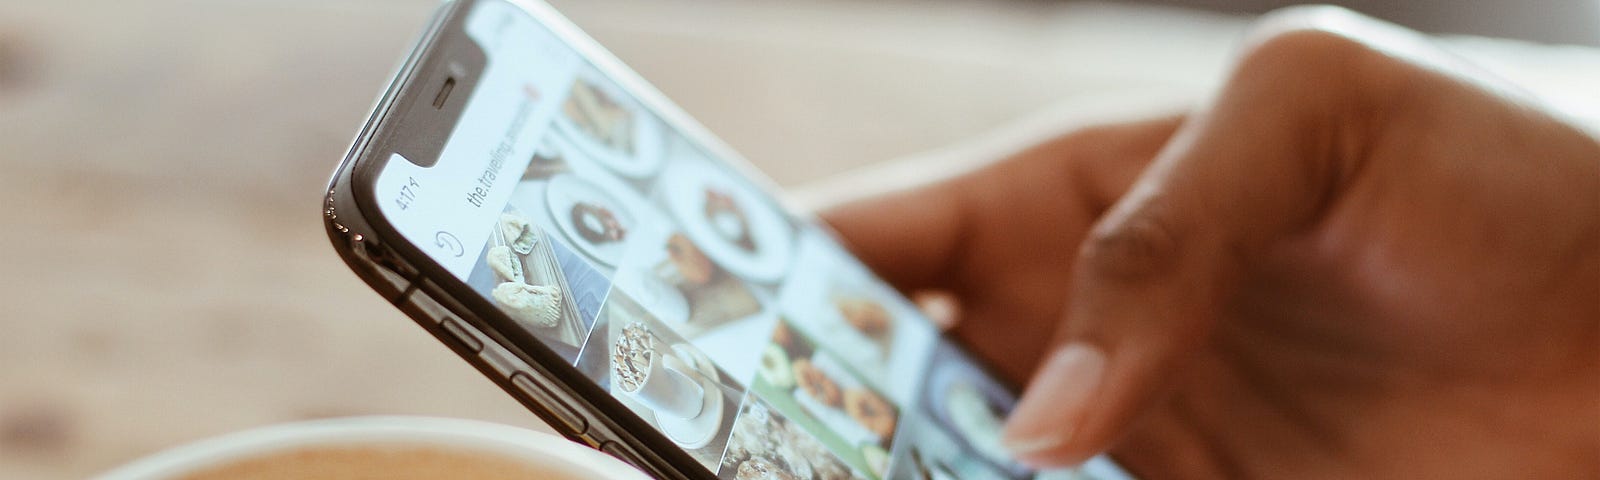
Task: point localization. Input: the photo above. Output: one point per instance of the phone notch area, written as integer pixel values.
(429, 109)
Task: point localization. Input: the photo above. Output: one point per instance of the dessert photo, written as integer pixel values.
(662, 377)
(540, 283)
(673, 278)
(728, 218)
(575, 199)
(865, 321)
(589, 216)
(610, 127)
(714, 296)
(767, 446)
(825, 397)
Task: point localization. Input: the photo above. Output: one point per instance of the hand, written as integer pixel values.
(1362, 260)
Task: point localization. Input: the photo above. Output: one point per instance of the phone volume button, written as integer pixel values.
(573, 420)
(461, 334)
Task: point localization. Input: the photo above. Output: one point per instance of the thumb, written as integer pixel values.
(1154, 272)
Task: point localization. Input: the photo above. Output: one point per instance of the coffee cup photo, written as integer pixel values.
(662, 377)
(657, 379)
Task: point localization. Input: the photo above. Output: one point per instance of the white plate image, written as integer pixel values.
(564, 193)
(685, 191)
(648, 136)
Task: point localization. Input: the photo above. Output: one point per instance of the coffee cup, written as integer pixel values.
(671, 389)
(401, 448)
(655, 377)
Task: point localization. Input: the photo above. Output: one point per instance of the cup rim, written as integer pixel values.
(470, 435)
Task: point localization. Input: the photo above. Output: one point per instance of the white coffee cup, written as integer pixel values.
(665, 383)
(671, 388)
(542, 451)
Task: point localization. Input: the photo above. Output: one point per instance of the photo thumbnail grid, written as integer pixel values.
(677, 286)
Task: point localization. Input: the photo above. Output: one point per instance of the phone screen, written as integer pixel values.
(746, 335)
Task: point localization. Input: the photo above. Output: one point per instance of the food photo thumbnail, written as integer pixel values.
(661, 377)
(867, 324)
(540, 283)
(767, 446)
(821, 394)
(611, 128)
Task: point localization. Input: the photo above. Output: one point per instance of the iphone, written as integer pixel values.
(543, 211)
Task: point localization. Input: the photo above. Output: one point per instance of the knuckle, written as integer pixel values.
(1326, 51)
(1141, 246)
(1329, 63)
(1305, 51)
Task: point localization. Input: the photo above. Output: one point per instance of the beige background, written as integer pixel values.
(163, 273)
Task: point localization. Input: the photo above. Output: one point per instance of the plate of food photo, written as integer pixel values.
(590, 217)
(765, 446)
(730, 221)
(528, 284)
(612, 128)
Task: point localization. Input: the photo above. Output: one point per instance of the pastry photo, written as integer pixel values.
(610, 128)
(730, 220)
(538, 283)
(823, 396)
(767, 446)
(866, 316)
(599, 116)
(868, 325)
(535, 305)
(711, 295)
(685, 290)
(590, 216)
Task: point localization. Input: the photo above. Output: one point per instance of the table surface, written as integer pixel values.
(163, 273)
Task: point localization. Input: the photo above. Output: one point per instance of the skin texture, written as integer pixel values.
(1363, 259)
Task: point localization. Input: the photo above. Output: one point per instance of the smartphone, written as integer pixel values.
(543, 211)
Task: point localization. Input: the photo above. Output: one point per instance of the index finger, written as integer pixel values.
(914, 222)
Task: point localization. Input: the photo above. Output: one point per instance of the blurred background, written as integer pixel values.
(164, 275)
